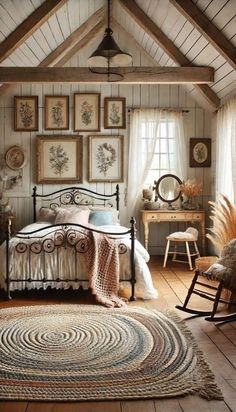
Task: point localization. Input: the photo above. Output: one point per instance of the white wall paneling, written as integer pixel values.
(197, 124)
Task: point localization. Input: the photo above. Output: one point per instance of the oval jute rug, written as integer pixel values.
(83, 352)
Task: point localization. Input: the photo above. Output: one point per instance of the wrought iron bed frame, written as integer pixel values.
(65, 235)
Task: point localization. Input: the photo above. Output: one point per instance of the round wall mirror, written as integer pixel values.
(168, 188)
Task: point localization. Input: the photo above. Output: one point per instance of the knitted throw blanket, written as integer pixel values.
(102, 261)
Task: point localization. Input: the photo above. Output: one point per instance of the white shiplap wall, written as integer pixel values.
(197, 123)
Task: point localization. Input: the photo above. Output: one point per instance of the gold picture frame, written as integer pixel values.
(59, 159)
(56, 113)
(25, 113)
(106, 158)
(114, 113)
(87, 112)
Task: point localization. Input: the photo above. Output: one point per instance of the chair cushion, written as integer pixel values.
(181, 237)
(225, 268)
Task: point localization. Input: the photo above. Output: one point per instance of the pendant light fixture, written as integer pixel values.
(108, 54)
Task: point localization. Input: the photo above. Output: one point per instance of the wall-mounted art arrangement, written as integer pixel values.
(114, 113)
(59, 159)
(15, 158)
(200, 152)
(26, 113)
(106, 158)
(56, 115)
(87, 112)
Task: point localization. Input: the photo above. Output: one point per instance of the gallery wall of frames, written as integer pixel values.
(87, 128)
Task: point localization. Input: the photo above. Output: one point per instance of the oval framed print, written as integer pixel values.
(200, 152)
(15, 158)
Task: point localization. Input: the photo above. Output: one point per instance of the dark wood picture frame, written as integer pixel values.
(114, 113)
(56, 112)
(87, 112)
(200, 152)
(67, 148)
(26, 113)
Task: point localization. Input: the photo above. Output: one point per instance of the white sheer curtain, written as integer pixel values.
(141, 151)
(226, 150)
(180, 142)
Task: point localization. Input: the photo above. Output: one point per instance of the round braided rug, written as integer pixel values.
(83, 352)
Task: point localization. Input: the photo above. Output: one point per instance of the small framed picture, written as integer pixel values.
(106, 158)
(87, 112)
(59, 159)
(200, 152)
(114, 113)
(26, 113)
(56, 115)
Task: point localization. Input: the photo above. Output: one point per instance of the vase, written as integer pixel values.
(191, 204)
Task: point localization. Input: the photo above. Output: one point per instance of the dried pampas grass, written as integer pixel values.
(224, 222)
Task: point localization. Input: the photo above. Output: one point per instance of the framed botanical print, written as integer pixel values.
(87, 112)
(59, 159)
(26, 113)
(114, 113)
(106, 158)
(200, 152)
(56, 115)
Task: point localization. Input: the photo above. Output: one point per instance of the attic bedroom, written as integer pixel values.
(117, 205)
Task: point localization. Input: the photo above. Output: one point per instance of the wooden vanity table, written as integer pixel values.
(163, 215)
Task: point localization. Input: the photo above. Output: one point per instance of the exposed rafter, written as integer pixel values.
(208, 29)
(167, 45)
(28, 27)
(132, 75)
(83, 32)
(75, 42)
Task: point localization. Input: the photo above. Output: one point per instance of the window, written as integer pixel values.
(163, 159)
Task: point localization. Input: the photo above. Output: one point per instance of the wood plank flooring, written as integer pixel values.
(218, 343)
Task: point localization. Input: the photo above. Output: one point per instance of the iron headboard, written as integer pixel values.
(75, 195)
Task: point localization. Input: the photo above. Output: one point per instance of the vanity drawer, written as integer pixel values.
(152, 217)
(197, 216)
(176, 216)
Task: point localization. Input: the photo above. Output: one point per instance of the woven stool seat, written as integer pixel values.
(190, 235)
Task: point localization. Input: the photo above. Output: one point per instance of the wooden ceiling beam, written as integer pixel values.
(132, 75)
(75, 42)
(28, 27)
(83, 32)
(207, 29)
(167, 45)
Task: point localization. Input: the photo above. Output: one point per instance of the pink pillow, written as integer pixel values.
(67, 216)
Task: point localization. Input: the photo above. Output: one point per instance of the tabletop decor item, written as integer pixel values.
(190, 189)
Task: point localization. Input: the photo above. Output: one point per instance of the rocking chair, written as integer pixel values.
(224, 272)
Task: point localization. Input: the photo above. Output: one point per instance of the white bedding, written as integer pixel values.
(47, 262)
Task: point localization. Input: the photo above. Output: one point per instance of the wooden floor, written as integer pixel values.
(217, 342)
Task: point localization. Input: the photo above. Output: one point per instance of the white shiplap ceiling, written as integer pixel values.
(188, 39)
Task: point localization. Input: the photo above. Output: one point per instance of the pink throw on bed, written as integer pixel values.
(102, 260)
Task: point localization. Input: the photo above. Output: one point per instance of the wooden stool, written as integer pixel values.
(190, 235)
